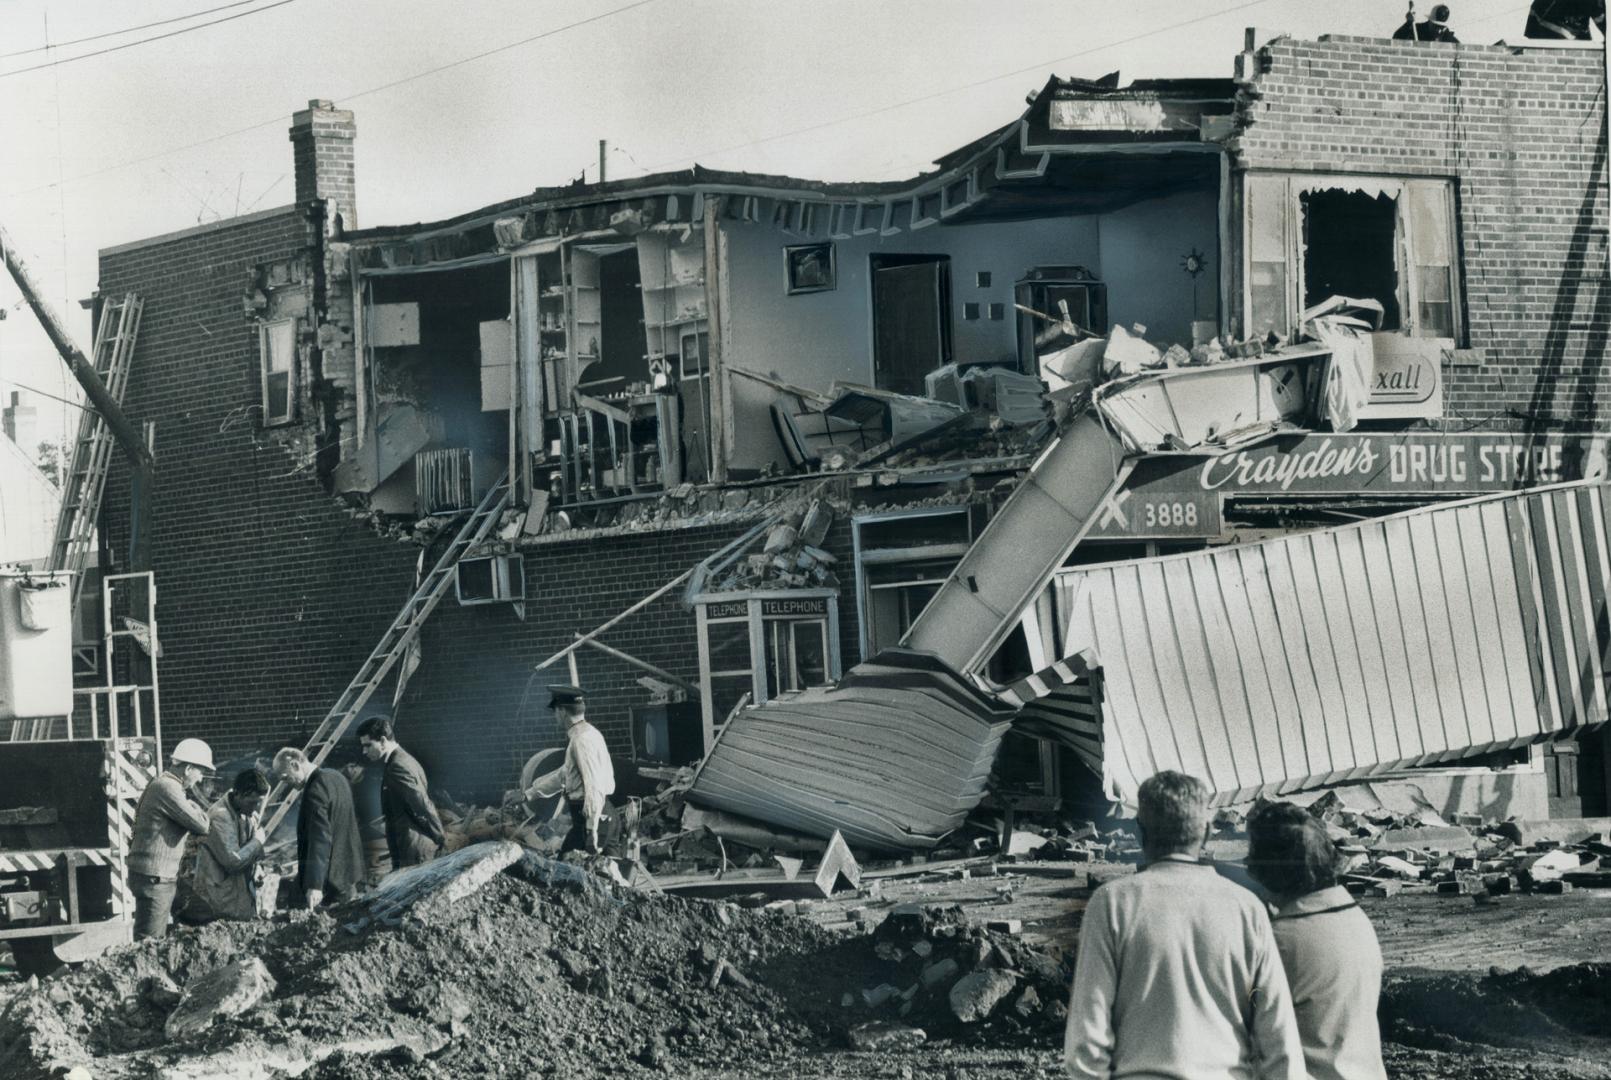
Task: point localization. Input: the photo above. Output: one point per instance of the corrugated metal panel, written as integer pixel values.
(894, 756)
(1332, 655)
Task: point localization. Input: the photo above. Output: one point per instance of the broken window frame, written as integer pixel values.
(268, 368)
(866, 553)
(1411, 248)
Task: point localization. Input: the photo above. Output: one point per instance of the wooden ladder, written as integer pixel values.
(405, 628)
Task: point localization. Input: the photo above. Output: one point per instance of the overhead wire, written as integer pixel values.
(1041, 66)
(281, 117)
(126, 30)
(144, 40)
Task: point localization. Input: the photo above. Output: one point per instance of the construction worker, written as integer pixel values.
(223, 883)
(1177, 972)
(166, 815)
(587, 777)
(329, 851)
(413, 829)
(1434, 29)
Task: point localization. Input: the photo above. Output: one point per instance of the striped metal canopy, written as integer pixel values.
(1292, 663)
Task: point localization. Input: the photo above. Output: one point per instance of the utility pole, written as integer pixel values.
(142, 465)
(602, 145)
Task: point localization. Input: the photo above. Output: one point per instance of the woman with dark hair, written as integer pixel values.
(1332, 960)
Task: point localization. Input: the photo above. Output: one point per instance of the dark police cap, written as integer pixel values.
(565, 695)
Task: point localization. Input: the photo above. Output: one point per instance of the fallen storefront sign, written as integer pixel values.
(1338, 654)
(894, 756)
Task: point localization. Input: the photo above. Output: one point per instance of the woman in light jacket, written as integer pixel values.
(232, 846)
(1327, 945)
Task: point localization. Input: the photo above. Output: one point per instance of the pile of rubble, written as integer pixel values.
(1468, 858)
(791, 556)
(496, 960)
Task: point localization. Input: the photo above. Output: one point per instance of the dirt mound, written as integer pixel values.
(520, 980)
(1566, 1011)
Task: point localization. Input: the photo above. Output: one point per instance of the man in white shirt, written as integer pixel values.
(1177, 975)
(587, 775)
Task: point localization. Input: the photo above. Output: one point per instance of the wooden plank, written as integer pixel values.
(1240, 635)
(1456, 582)
(716, 294)
(1417, 645)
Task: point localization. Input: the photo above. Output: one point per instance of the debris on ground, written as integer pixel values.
(484, 965)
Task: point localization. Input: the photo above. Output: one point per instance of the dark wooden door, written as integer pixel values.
(911, 320)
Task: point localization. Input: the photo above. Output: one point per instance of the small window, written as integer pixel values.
(277, 349)
(494, 580)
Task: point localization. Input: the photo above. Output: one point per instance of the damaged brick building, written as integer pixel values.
(660, 364)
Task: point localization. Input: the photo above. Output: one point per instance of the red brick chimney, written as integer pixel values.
(321, 140)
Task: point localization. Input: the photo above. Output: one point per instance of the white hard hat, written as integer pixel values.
(192, 752)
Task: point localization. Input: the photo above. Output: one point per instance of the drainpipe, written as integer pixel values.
(142, 478)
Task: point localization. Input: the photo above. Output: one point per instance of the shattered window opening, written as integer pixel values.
(1348, 249)
(1309, 238)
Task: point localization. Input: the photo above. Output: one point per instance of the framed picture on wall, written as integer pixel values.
(810, 268)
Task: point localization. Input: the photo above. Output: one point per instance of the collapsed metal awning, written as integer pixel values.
(1267, 668)
(894, 756)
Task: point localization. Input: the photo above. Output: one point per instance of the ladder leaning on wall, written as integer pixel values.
(404, 630)
(85, 478)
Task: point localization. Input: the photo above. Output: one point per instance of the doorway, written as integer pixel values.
(622, 346)
(911, 319)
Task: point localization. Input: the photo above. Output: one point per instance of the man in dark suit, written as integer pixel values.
(413, 829)
(329, 851)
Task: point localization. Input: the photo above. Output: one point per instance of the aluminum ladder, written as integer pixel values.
(404, 630)
(92, 452)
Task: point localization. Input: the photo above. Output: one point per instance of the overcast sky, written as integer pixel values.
(191, 128)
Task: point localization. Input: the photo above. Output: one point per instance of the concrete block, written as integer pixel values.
(975, 995)
(228, 991)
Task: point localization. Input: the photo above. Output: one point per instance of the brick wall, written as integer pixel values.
(1523, 134)
(271, 595)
